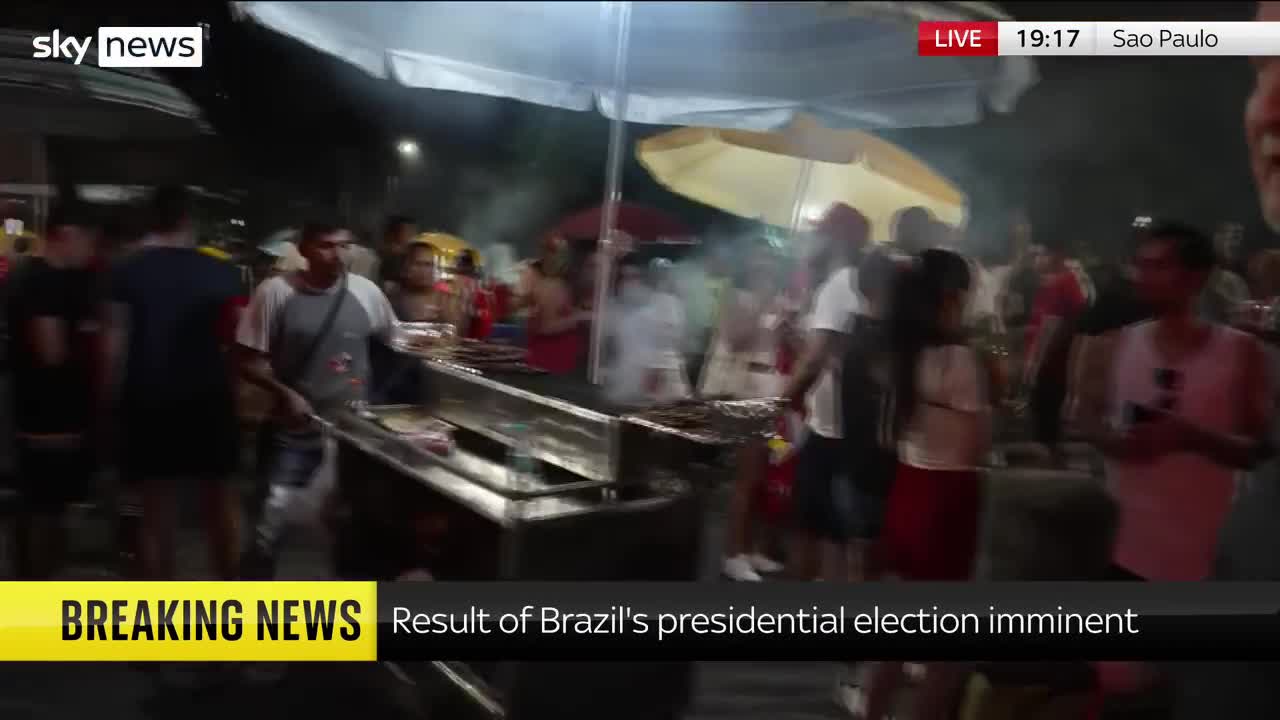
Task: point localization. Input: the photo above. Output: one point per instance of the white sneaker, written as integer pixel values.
(739, 568)
(764, 564)
(851, 698)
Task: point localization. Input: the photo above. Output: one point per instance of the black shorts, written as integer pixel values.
(201, 443)
(871, 472)
(51, 478)
(820, 496)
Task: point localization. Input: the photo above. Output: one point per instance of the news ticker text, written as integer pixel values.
(365, 621)
(959, 39)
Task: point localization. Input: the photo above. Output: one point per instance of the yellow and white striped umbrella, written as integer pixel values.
(757, 175)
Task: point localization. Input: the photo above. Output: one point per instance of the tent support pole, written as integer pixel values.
(618, 15)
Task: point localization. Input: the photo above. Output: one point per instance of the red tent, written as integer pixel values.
(640, 222)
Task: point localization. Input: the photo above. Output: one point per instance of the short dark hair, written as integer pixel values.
(912, 228)
(1193, 247)
(395, 222)
(69, 213)
(170, 208)
(466, 261)
(317, 229)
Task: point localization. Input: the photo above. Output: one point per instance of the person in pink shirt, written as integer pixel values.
(1189, 408)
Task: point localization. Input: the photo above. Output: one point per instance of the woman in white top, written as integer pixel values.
(648, 330)
(943, 427)
(743, 358)
(743, 364)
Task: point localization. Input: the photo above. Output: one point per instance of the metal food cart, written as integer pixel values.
(617, 498)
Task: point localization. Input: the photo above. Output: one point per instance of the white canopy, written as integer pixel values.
(747, 65)
(55, 97)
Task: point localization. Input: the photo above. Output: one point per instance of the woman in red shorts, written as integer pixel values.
(944, 430)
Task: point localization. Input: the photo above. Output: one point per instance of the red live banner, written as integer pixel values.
(960, 39)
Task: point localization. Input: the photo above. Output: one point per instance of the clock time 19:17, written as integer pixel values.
(1040, 38)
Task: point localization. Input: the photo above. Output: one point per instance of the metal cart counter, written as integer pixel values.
(461, 517)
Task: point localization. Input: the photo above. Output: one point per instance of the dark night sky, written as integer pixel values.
(1098, 140)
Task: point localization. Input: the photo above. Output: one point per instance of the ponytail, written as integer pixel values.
(909, 329)
(916, 299)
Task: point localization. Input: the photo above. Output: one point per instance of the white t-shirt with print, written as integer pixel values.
(285, 320)
(833, 310)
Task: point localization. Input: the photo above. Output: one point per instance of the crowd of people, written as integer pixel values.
(1166, 369)
(891, 357)
(901, 364)
(906, 362)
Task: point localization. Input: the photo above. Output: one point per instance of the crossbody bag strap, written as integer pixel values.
(303, 364)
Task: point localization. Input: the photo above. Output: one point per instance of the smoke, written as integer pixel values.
(502, 216)
(1097, 143)
(719, 259)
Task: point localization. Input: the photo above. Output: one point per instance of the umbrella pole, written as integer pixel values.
(620, 13)
(797, 205)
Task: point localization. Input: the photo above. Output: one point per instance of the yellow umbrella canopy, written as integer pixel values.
(27, 241)
(447, 246)
(757, 175)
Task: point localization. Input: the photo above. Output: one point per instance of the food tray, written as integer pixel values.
(714, 422)
(474, 355)
(410, 421)
(416, 337)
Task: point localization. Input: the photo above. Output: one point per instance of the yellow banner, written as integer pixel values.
(188, 621)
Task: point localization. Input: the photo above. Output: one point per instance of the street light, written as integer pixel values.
(408, 149)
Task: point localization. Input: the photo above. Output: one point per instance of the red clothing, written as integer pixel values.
(556, 353)
(482, 315)
(1059, 296)
(230, 319)
(502, 302)
(931, 524)
(477, 303)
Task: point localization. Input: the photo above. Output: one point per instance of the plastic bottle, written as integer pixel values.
(522, 466)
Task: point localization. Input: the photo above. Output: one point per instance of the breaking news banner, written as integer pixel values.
(188, 621)
(358, 621)
(960, 39)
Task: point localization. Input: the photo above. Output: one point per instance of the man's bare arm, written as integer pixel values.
(255, 368)
(1247, 447)
(823, 345)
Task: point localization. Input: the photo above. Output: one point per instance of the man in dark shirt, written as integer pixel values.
(1118, 303)
(395, 243)
(52, 332)
(176, 405)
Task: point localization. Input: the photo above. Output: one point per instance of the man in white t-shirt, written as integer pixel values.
(991, 279)
(822, 520)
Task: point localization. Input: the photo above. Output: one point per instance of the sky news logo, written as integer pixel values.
(127, 47)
